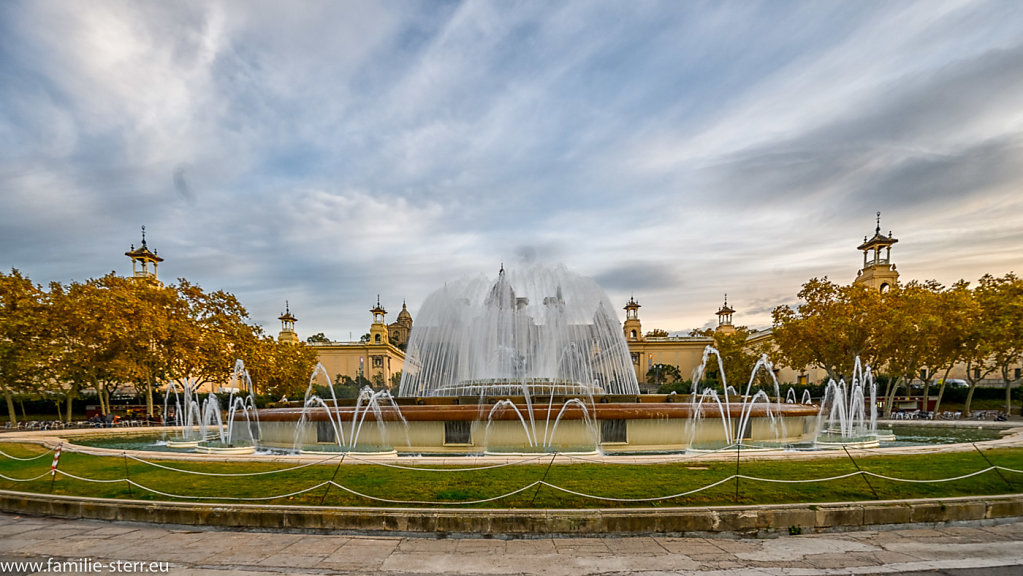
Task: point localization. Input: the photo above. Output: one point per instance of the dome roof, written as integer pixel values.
(404, 314)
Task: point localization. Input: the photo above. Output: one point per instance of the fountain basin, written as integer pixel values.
(474, 425)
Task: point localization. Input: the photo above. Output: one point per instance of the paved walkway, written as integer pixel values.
(961, 550)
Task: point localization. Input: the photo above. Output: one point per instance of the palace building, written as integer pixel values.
(378, 359)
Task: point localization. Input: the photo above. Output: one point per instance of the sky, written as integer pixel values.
(324, 153)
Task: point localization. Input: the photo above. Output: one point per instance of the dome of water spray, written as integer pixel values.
(542, 330)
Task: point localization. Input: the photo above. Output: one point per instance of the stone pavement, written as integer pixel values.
(963, 550)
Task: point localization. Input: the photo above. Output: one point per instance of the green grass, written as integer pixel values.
(611, 480)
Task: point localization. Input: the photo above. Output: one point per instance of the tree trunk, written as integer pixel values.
(887, 403)
(1008, 389)
(104, 399)
(149, 397)
(941, 391)
(60, 417)
(890, 400)
(969, 400)
(99, 395)
(1008, 397)
(24, 415)
(11, 412)
(70, 397)
(927, 393)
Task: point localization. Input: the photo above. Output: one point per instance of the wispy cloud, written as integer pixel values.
(324, 153)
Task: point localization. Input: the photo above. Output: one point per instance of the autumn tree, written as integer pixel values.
(25, 348)
(217, 333)
(145, 322)
(1001, 304)
(904, 334)
(280, 369)
(957, 312)
(831, 327)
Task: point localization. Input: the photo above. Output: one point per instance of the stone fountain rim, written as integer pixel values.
(1012, 437)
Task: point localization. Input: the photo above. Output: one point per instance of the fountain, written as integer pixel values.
(843, 421)
(529, 362)
(202, 426)
(333, 433)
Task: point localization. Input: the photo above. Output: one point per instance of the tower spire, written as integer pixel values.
(287, 334)
(878, 271)
(144, 262)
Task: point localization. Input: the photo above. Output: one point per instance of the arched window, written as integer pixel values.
(378, 338)
(632, 334)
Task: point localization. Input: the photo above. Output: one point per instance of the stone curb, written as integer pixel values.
(514, 523)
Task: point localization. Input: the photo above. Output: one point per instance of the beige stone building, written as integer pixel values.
(378, 360)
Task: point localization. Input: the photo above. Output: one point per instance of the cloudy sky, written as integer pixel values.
(326, 152)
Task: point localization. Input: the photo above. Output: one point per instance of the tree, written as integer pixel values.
(25, 347)
(217, 334)
(347, 387)
(831, 328)
(318, 338)
(662, 374)
(657, 333)
(956, 310)
(905, 337)
(280, 369)
(1001, 304)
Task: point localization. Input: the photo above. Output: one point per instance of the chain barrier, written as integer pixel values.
(534, 484)
(5, 454)
(231, 474)
(8, 478)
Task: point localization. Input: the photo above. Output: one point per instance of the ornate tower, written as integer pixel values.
(878, 273)
(633, 328)
(143, 262)
(400, 328)
(288, 334)
(724, 315)
(378, 330)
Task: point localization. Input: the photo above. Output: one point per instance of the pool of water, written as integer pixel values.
(148, 442)
(905, 435)
(909, 435)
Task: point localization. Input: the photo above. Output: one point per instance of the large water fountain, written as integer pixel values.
(534, 361)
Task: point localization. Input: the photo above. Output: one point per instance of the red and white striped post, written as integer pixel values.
(53, 466)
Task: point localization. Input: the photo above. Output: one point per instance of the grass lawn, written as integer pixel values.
(620, 481)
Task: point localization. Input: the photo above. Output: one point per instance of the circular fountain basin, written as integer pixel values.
(626, 424)
(183, 444)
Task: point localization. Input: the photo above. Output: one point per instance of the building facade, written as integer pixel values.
(378, 359)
